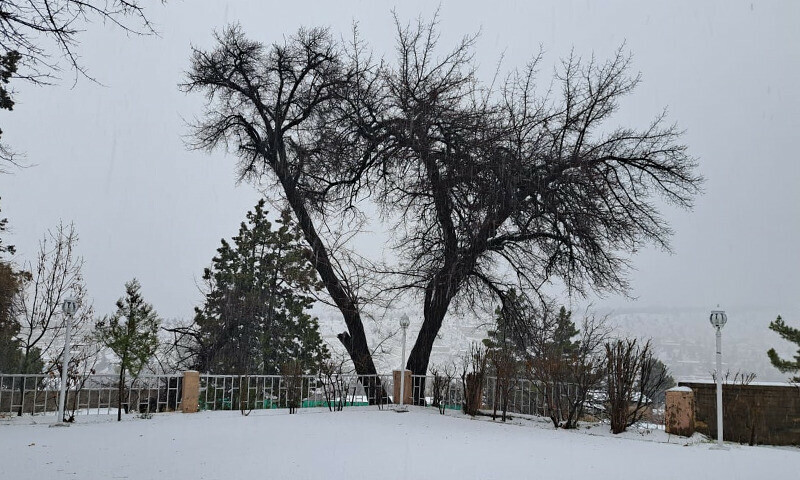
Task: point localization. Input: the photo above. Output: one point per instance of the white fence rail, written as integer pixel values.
(97, 394)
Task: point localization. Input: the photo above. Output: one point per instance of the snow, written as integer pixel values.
(761, 384)
(680, 389)
(363, 442)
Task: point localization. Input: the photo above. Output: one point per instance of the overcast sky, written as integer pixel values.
(111, 157)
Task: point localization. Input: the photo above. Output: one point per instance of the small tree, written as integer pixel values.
(787, 333)
(131, 333)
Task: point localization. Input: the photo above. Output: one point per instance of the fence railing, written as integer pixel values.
(38, 394)
(252, 392)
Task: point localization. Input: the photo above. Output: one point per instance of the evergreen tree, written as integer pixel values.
(10, 352)
(564, 332)
(131, 333)
(259, 291)
(10, 284)
(787, 333)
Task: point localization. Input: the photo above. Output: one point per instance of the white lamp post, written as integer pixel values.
(404, 323)
(718, 320)
(69, 307)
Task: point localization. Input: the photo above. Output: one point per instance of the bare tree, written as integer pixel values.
(565, 372)
(261, 103)
(443, 378)
(292, 377)
(33, 27)
(485, 187)
(38, 36)
(632, 383)
(55, 276)
(473, 375)
(493, 187)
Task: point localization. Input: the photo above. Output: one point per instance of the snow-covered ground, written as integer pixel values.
(363, 443)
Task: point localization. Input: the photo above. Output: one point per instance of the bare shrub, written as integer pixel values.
(473, 373)
(334, 384)
(632, 383)
(442, 382)
(292, 378)
(562, 370)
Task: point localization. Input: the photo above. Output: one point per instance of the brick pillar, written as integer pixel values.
(190, 391)
(679, 414)
(408, 388)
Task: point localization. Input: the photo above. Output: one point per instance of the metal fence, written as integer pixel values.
(97, 394)
(93, 394)
(254, 392)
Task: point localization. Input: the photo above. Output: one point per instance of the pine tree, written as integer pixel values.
(787, 333)
(131, 333)
(255, 317)
(564, 332)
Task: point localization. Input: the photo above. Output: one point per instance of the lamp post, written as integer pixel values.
(404, 323)
(718, 320)
(69, 307)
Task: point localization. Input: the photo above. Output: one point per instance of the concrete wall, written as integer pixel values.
(752, 414)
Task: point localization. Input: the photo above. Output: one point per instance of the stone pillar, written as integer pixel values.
(679, 414)
(408, 388)
(190, 392)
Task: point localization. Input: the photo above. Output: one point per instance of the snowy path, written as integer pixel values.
(360, 444)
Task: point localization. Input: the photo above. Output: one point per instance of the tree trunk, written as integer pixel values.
(120, 392)
(355, 339)
(439, 293)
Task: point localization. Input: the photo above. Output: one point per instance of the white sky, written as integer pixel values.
(111, 158)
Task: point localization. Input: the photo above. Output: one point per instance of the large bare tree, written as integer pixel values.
(486, 185)
(263, 104)
(498, 184)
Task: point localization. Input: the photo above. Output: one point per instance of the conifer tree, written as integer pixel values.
(10, 353)
(131, 333)
(255, 317)
(787, 333)
(564, 332)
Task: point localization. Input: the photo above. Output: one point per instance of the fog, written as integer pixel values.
(110, 156)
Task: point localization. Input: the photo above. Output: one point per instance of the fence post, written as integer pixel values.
(190, 396)
(679, 411)
(408, 389)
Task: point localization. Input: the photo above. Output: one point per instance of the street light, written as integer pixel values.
(718, 320)
(69, 307)
(404, 323)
